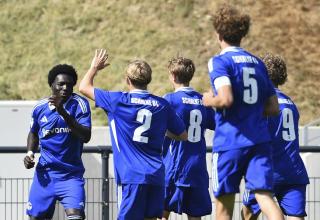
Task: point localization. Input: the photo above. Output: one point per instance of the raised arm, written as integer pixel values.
(98, 63)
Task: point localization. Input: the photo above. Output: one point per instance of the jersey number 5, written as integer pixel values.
(144, 116)
(287, 123)
(250, 92)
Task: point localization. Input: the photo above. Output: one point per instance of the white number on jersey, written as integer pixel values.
(288, 123)
(194, 130)
(144, 117)
(250, 93)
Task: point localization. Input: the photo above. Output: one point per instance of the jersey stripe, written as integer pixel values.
(114, 133)
(215, 180)
(81, 103)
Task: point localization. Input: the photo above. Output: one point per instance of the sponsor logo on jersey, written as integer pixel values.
(55, 131)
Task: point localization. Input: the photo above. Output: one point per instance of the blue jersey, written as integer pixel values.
(60, 150)
(185, 161)
(243, 124)
(138, 122)
(288, 165)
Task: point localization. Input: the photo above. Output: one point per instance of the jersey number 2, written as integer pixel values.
(144, 116)
(250, 92)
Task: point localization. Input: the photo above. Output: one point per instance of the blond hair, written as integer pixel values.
(139, 73)
(182, 68)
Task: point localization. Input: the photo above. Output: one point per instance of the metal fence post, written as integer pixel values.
(105, 184)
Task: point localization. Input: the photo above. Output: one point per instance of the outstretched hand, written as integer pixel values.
(99, 60)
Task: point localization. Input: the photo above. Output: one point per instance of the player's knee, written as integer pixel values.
(75, 217)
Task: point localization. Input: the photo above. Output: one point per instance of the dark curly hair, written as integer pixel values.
(230, 24)
(277, 68)
(62, 69)
(182, 68)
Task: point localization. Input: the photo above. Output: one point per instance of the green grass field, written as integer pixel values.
(37, 34)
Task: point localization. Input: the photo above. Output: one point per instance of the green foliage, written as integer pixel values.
(37, 34)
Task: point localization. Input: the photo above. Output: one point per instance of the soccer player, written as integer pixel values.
(138, 122)
(243, 96)
(290, 175)
(60, 124)
(187, 179)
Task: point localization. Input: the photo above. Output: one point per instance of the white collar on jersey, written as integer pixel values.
(52, 107)
(230, 49)
(184, 88)
(141, 91)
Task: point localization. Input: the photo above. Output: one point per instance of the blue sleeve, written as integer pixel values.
(167, 97)
(211, 124)
(34, 125)
(83, 113)
(105, 99)
(175, 123)
(217, 68)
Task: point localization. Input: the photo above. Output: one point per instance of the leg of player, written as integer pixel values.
(74, 214)
(295, 218)
(165, 215)
(268, 206)
(193, 218)
(246, 214)
(224, 207)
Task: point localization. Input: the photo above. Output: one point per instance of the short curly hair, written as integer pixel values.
(139, 73)
(276, 67)
(182, 68)
(62, 69)
(230, 24)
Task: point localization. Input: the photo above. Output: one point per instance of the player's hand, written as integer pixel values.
(207, 97)
(29, 161)
(99, 60)
(57, 102)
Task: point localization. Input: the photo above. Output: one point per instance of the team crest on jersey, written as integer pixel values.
(44, 119)
(29, 206)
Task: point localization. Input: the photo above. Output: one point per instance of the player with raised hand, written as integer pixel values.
(138, 123)
(290, 175)
(187, 179)
(60, 124)
(243, 96)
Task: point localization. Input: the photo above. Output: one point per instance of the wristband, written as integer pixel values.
(30, 153)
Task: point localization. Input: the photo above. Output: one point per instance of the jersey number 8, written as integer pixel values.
(194, 130)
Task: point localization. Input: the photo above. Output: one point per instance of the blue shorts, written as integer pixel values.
(193, 201)
(254, 163)
(45, 191)
(291, 199)
(140, 201)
